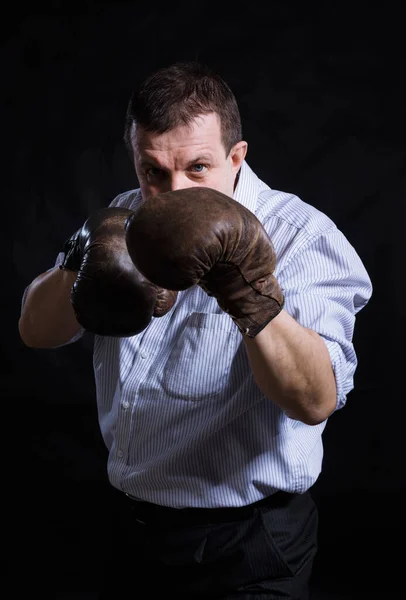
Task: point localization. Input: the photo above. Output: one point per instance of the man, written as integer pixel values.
(213, 434)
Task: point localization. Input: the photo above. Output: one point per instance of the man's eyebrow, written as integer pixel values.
(200, 159)
(195, 161)
(149, 163)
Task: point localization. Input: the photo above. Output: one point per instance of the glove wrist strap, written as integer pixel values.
(73, 255)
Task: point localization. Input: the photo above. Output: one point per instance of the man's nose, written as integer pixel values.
(179, 182)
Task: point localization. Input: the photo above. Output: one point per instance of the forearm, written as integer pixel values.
(292, 367)
(47, 319)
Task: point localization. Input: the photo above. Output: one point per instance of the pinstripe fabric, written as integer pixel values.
(180, 413)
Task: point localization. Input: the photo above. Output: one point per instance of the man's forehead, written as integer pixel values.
(202, 131)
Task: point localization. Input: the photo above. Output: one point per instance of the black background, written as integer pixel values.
(319, 87)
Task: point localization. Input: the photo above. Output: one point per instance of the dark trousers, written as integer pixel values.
(265, 550)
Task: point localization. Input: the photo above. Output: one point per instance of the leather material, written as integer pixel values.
(110, 296)
(201, 236)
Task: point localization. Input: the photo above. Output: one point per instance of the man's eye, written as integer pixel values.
(153, 172)
(199, 168)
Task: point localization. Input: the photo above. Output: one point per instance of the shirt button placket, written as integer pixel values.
(143, 355)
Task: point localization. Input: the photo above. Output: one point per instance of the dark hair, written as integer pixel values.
(173, 96)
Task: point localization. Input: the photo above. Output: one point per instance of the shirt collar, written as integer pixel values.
(246, 192)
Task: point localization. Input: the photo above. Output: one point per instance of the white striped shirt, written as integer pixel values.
(181, 415)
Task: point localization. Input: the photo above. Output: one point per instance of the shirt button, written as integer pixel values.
(120, 454)
(125, 404)
(143, 354)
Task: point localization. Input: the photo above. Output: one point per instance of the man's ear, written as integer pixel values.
(237, 155)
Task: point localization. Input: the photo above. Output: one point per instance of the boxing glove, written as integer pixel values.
(110, 296)
(201, 236)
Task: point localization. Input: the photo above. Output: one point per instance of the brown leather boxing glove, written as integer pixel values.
(110, 296)
(201, 236)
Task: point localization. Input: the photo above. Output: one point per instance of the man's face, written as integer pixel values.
(186, 157)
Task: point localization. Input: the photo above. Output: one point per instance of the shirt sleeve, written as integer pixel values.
(325, 285)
